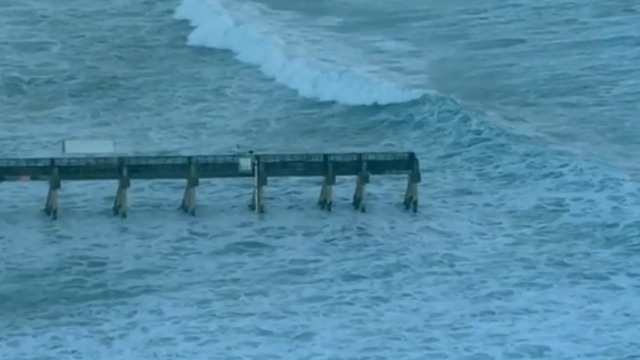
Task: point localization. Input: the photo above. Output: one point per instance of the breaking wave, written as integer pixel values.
(253, 40)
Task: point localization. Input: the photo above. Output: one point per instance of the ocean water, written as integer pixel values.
(525, 116)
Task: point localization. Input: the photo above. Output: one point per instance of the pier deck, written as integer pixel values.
(192, 168)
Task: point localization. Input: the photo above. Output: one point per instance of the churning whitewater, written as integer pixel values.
(523, 115)
(291, 62)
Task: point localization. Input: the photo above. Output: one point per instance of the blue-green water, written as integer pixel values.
(524, 114)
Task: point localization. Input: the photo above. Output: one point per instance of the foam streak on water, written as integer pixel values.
(524, 247)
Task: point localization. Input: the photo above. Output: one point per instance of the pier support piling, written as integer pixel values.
(326, 192)
(411, 194)
(107, 165)
(120, 203)
(188, 204)
(360, 193)
(51, 205)
(259, 182)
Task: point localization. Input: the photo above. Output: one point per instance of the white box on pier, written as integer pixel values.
(88, 147)
(245, 164)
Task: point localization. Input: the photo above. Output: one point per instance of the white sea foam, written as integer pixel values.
(253, 40)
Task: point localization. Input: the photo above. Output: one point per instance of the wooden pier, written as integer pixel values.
(259, 167)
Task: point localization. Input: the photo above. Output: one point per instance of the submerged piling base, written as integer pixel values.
(51, 204)
(120, 203)
(326, 197)
(411, 194)
(257, 200)
(326, 192)
(259, 182)
(360, 193)
(411, 197)
(360, 197)
(188, 204)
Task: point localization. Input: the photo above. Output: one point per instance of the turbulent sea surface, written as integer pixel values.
(525, 115)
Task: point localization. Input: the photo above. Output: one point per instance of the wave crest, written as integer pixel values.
(253, 42)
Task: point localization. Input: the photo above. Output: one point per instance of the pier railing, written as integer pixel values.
(260, 167)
